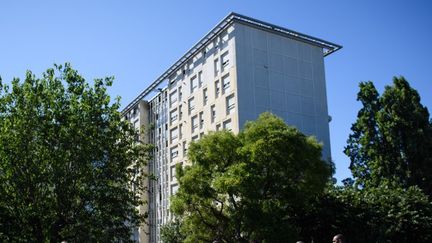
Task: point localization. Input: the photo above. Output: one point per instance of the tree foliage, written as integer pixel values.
(170, 232)
(390, 149)
(386, 213)
(392, 137)
(67, 161)
(249, 186)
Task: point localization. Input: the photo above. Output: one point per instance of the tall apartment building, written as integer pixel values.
(241, 68)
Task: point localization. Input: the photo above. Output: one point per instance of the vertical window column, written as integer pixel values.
(201, 120)
(227, 125)
(191, 105)
(217, 88)
(225, 61)
(193, 84)
(194, 123)
(200, 79)
(230, 104)
(174, 134)
(226, 84)
(205, 96)
(212, 113)
(216, 67)
(173, 98)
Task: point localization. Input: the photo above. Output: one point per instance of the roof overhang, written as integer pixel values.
(327, 46)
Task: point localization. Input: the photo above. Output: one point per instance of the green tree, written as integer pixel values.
(170, 232)
(363, 142)
(392, 137)
(390, 149)
(386, 213)
(249, 186)
(68, 161)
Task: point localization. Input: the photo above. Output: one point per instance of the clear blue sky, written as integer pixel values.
(136, 41)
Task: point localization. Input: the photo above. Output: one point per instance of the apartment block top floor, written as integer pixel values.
(217, 33)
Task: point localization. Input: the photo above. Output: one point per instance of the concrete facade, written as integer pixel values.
(242, 68)
(284, 76)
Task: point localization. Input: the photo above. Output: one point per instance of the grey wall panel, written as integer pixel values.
(287, 78)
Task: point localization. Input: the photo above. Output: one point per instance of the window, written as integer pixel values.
(227, 125)
(213, 113)
(197, 58)
(134, 112)
(201, 120)
(173, 98)
(230, 104)
(172, 79)
(208, 49)
(216, 43)
(194, 123)
(180, 131)
(191, 105)
(217, 88)
(173, 116)
(173, 170)
(174, 189)
(200, 81)
(190, 65)
(180, 93)
(205, 96)
(225, 61)
(180, 112)
(174, 152)
(193, 84)
(195, 138)
(226, 84)
(216, 67)
(218, 127)
(184, 149)
(174, 134)
(137, 134)
(136, 125)
(224, 38)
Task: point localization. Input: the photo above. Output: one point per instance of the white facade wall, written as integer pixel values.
(184, 114)
(139, 118)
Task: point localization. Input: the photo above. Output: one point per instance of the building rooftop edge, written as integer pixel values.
(328, 47)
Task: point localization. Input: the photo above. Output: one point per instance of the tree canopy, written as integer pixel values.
(392, 137)
(249, 186)
(68, 161)
(386, 213)
(390, 149)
